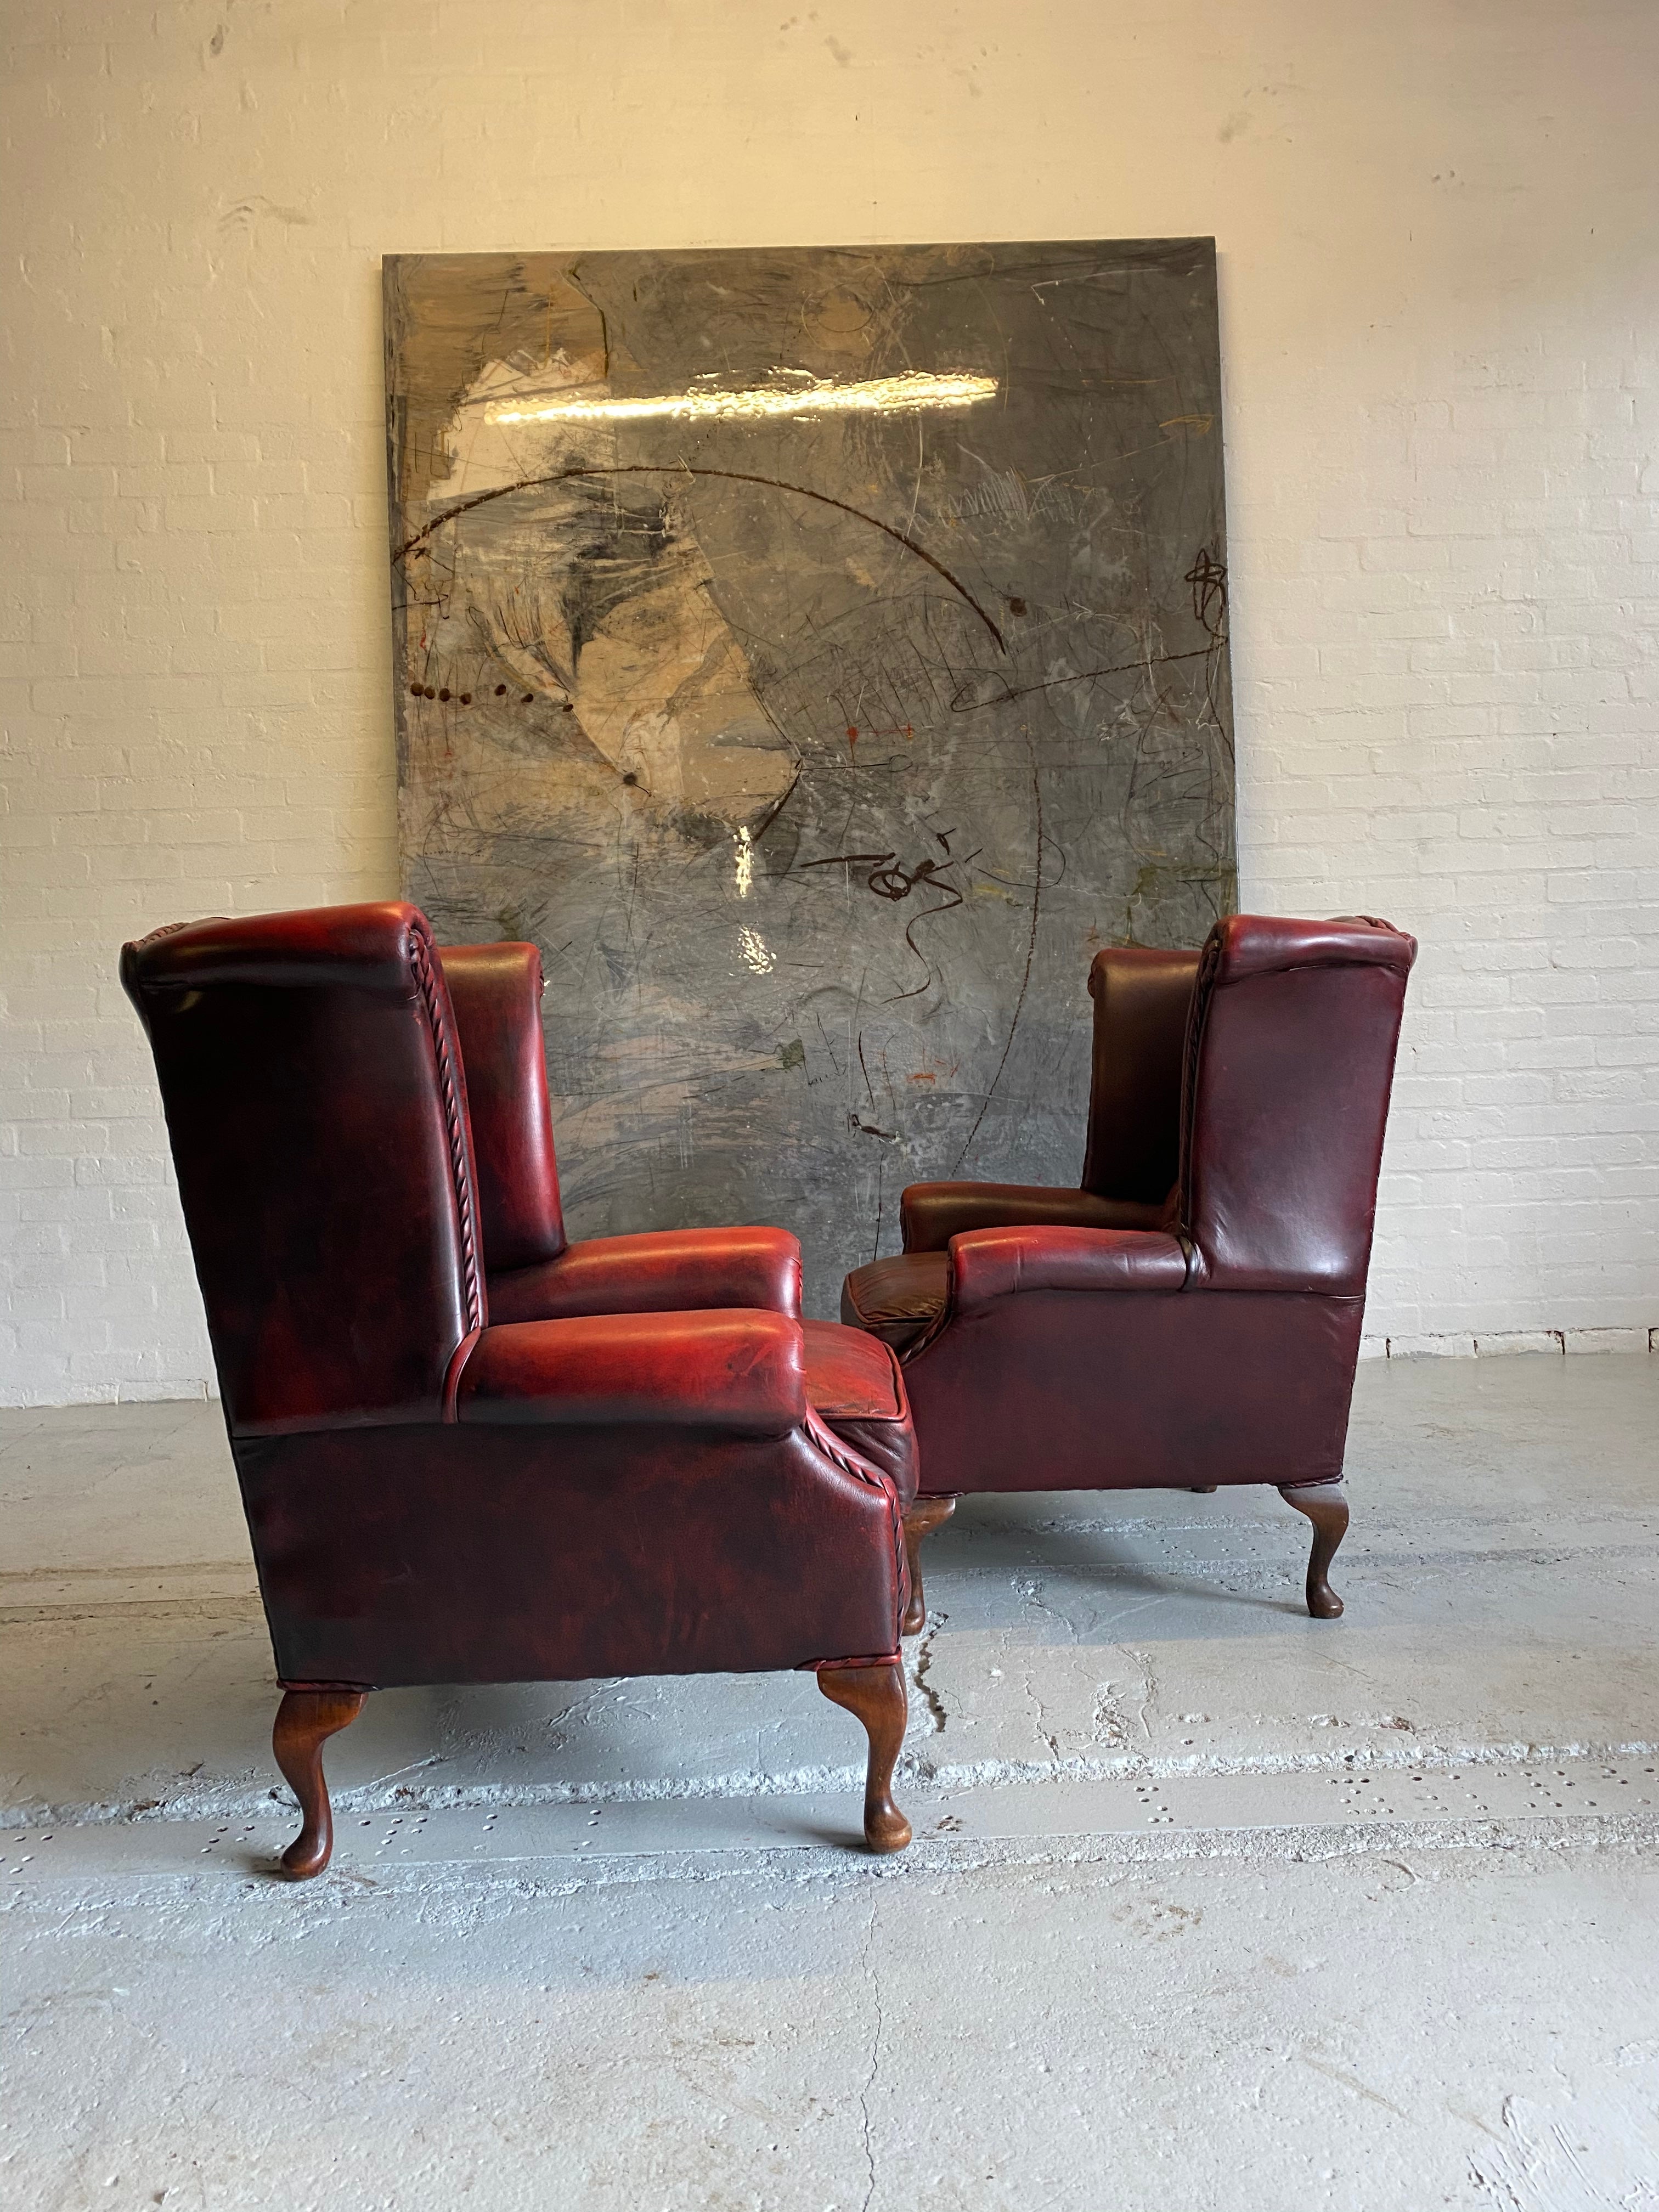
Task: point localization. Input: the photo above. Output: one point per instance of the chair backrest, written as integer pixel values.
(1142, 998)
(316, 1102)
(495, 991)
(1290, 1058)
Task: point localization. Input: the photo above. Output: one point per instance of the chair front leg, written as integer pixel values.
(304, 1721)
(1326, 1505)
(925, 1514)
(876, 1695)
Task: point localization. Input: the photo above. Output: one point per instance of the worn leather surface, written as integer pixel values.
(897, 1299)
(316, 1107)
(1289, 1060)
(1225, 1351)
(534, 1273)
(620, 1493)
(461, 1554)
(657, 1271)
(989, 1264)
(1141, 1000)
(1270, 943)
(932, 1213)
(739, 1371)
(496, 991)
(1087, 1390)
(853, 1385)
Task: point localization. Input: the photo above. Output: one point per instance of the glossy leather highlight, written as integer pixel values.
(738, 1371)
(932, 1213)
(993, 1264)
(658, 1270)
(1290, 1059)
(854, 1387)
(1134, 1390)
(1212, 1339)
(548, 1554)
(436, 1494)
(495, 993)
(1142, 998)
(316, 1103)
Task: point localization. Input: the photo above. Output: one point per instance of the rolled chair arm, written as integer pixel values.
(988, 1264)
(933, 1212)
(742, 1371)
(662, 1271)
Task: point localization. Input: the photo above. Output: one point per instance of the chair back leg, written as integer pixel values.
(1326, 1505)
(925, 1515)
(304, 1721)
(876, 1695)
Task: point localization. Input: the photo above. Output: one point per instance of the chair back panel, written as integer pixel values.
(496, 994)
(1290, 1059)
(1142, 998)
(316, 1104)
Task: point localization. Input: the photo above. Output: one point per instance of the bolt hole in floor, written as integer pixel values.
(1117, 1741)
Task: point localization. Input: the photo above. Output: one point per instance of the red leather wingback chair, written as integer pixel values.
(1190, 1316)
(469, 1450)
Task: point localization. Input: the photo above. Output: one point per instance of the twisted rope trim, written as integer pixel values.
(172, 929)
(865, 1471)
(420, 960)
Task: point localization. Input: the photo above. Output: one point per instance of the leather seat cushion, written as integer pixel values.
(897, 1299)
(853, 1385)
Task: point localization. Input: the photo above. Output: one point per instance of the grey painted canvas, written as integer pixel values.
(820, 654)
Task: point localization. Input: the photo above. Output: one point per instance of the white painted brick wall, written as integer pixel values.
(1439, 298)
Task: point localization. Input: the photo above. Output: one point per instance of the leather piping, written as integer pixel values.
(420, 960)
(1203, 990)
(452, 1373)
(834, 1448)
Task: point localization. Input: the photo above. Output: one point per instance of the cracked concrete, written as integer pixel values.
(1210, 1905)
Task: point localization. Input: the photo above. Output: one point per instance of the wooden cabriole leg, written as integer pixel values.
(304, 1721)
(1326, 1505)
(925, 1514)
(876, 1695)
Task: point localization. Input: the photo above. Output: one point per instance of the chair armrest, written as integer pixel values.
(661, 1271)
(988, 1264)
(933, 1212)
(744, 1372)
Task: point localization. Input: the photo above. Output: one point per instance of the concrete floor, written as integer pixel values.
(1211, 1906)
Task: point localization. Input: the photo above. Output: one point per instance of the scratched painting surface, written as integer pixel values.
(820, 654)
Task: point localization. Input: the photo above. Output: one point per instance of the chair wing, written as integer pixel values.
(496, 994)
(317, 1109)
(1290, 1059)
(1142, 998)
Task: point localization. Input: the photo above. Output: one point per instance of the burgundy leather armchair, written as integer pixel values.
(1189, 1317)
(470, 1450)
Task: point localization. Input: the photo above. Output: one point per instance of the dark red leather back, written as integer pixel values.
(496, 993)
(1289, 1058)
(1142, 998)
(317, 1106)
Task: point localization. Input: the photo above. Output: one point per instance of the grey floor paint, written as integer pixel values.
(1211, 1905)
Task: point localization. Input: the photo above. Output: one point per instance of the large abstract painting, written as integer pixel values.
(820, 654)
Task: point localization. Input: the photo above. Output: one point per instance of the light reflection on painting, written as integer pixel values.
(820, 654)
